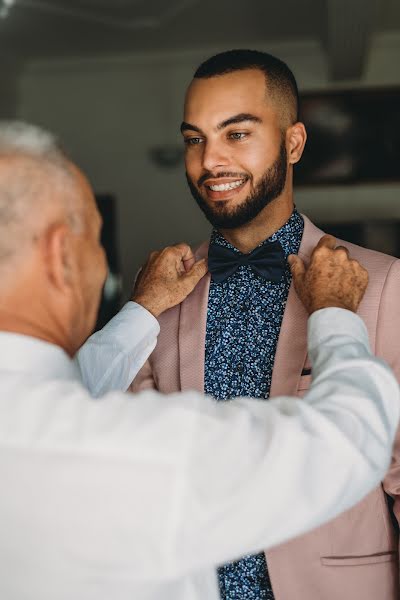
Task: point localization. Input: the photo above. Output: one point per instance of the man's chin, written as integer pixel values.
(225, 207)
(221, 217)
(224, 219)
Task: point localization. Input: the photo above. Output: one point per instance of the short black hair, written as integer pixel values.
(282, 85)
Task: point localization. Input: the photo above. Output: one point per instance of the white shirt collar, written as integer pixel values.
(26, 354)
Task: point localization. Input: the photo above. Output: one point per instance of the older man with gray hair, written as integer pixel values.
(136, 497)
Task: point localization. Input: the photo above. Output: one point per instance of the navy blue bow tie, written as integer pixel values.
(267, 260)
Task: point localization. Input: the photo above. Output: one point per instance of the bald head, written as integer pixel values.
(38, 186)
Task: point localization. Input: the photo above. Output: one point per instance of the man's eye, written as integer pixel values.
(194, 141)
(237, 135)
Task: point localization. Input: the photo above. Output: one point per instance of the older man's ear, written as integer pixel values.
(59, 256)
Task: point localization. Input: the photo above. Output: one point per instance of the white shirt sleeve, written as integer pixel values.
(289, 465)
(111, 358)
(151, 487)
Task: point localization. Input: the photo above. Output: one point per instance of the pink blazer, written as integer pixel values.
(354, 557)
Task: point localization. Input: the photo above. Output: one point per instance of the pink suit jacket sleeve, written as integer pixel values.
(388, 346)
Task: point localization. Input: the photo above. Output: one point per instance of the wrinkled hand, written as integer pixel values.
(167, 278)
(331, 278)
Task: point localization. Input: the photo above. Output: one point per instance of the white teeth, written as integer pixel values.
(223, 187)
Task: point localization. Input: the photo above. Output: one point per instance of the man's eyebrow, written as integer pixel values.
(188, 127)
(240, 118)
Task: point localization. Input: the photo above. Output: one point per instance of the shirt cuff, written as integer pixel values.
(328, 322)
(136, 311)
(112, 357)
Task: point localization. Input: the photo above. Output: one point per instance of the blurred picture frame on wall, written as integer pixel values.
(352, 137)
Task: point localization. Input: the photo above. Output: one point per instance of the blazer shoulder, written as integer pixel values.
(378, 264)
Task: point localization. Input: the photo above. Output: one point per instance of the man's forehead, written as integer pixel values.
(223, 95)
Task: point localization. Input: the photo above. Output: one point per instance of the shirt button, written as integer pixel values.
(240, 368)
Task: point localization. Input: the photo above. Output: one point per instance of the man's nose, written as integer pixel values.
(214, 155)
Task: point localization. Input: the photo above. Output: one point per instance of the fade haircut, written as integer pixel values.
(281, 84)
(33, 170)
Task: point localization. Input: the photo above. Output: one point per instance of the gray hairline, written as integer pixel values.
(21, 139)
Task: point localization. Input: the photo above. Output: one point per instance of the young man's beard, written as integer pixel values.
(270, 187)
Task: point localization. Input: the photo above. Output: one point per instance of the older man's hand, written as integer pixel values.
(331, 279)
(167, 278)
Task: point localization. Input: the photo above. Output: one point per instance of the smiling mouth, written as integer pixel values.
(224, 187)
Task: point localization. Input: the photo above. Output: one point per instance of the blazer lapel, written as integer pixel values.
(291, 351)
(192, 332)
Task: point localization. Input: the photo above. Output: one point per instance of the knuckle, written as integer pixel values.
(181, 246)
(326, 241)
(342, 251)
(169, 251)
(356, 265)
(320, 253)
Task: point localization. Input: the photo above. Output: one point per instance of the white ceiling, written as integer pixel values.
(55, 28)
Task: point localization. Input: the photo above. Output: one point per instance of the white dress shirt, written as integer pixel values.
(112, 357)
(138, 498)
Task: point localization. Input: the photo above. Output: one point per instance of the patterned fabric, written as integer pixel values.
(243, 322)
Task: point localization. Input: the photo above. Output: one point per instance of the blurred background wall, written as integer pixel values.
(110, 77)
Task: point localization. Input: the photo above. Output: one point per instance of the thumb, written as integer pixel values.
(196, 273)
(297, 267)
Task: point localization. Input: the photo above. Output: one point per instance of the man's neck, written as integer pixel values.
(267, 222)
(23, 325)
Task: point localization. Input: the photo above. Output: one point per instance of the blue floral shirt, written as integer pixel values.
(243, 322)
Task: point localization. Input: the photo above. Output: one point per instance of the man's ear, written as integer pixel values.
(296, 137)
(60, 259)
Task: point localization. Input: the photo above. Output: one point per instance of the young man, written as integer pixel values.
(243, 330)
